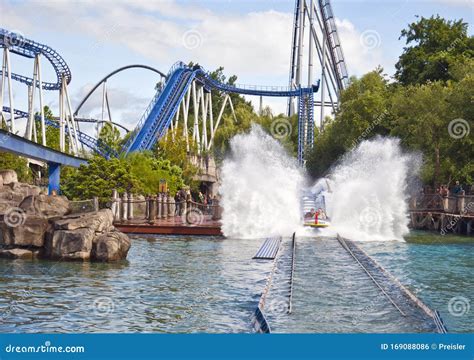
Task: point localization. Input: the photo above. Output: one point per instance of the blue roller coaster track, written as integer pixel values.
(96, 145)
(162, 108)
(158, 116)
(17, 44)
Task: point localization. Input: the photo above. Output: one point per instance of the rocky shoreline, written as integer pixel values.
(36, 225)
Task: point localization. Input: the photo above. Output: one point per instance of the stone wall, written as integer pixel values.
(36, 225)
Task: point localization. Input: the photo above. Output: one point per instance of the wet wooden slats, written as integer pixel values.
(269, 249)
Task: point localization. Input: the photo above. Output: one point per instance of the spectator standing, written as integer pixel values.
(457, 189)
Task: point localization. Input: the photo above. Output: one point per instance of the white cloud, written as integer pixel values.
(363, 50)
(255, 46)
(120, 100)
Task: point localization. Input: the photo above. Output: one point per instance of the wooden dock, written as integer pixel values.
(171, 226)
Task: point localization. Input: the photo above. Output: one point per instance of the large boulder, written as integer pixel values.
(10, 196)
(85, 236)
(21, 230)
(111, 246)
(25, 189)
(45, 205)
(69, 244)
(100, 221)
(18, 254)
(7, 205)
(8, 176)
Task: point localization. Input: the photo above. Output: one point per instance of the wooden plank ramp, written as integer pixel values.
(269, 249)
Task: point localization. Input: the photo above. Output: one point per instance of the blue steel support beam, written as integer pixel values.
(164, 104)
(98, 146)
(54, 171)
(20, 146)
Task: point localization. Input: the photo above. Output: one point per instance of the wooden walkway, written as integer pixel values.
(171, 226)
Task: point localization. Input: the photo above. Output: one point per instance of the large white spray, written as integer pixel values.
(260, 188)
(369, 191)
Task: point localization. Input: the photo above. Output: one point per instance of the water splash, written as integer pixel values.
(260, 188)
(369, 191)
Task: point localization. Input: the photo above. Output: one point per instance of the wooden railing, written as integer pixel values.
(128, 207)
(461, 204)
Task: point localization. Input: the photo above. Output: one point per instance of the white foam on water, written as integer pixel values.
(368, 199)
(365, 195)
(260, 188)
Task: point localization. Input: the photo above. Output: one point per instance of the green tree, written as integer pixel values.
(362, 114)
(173, 149)
(434, 45)
(110, 135)
(98, 178)
(52, 133)
(138, 173)
(149, 170)
(9, 161)
(426, 119)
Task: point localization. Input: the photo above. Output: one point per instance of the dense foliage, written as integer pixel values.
(431, 100)
(138, 173)
(17, 163)
(431, 91)
(434, 46)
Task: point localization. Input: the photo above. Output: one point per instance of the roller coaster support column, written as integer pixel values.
(196, 136)
(185, 105)
(31, 125)
(54, 170)
(6, 70)
(323, 81)
(299, 65)
(310, 45)
(66, 119)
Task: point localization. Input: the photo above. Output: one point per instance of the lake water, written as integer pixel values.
(205, 284)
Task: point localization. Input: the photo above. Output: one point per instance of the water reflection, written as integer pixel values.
(183, 284)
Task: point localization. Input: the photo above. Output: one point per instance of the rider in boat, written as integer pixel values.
(310, 214)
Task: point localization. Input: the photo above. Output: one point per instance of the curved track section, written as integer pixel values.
(95, 121)
(133, 66)
(19, 45)
(157, 117)
(95, 145)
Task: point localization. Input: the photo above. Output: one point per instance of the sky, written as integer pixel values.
(250, 39)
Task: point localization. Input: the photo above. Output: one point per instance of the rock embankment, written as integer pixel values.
(36, 225)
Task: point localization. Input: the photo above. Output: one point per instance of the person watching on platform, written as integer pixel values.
(457, 189)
